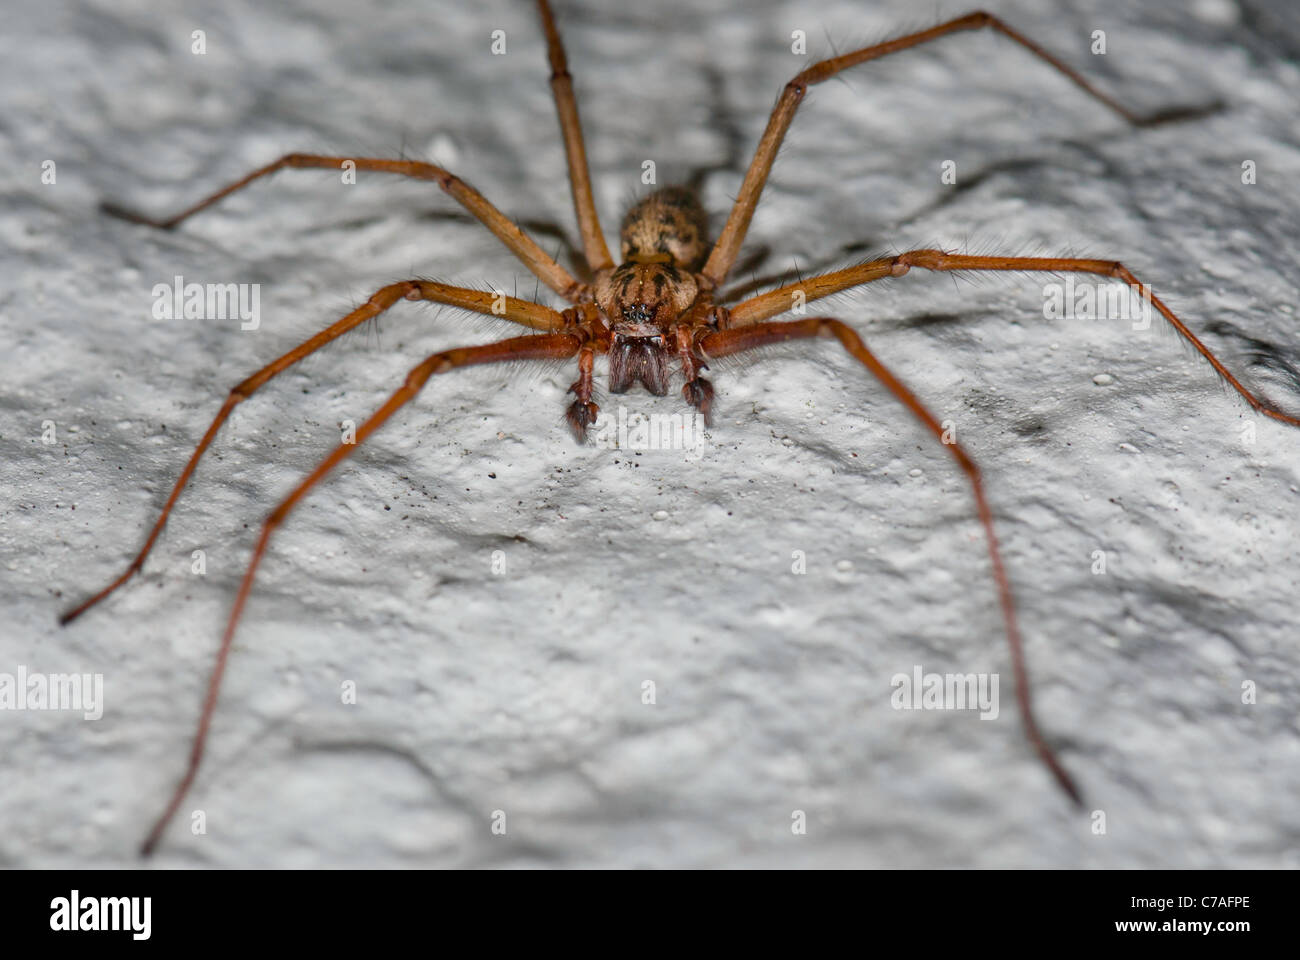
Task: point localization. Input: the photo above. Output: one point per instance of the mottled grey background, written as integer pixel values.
(523, 692)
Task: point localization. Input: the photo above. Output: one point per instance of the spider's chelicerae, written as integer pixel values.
(653, 312)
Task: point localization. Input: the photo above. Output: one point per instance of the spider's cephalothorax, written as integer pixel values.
(651, 303)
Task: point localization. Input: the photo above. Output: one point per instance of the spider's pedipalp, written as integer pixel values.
(582, 412)
(698, 392)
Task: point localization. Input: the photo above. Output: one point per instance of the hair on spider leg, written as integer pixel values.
(841, 39)
(755, 256)
(987, 246)
(520, 378)
(888, 30)
(365, 338)
(1096, 286)
(452, 323)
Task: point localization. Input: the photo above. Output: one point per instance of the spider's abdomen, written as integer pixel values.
(669, 225)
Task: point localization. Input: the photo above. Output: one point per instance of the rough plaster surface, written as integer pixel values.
(522, 692)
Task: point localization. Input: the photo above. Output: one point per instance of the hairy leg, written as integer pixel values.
(727, 248)
(544, 347)
(778, 301)
(520, 311)
(593, 238)
(737, 340)
(520, 244)
(582, 412)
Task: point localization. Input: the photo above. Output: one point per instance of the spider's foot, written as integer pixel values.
(581, 414)
(699, 394)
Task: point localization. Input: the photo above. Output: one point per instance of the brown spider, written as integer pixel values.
(651, 311)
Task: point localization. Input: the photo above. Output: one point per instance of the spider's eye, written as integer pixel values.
(638, 312)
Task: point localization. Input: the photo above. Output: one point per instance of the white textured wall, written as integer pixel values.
(522, 692)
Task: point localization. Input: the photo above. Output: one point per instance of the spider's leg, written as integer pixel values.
(555, 346)
(727, 248)
(747, 338)
(593, 238)
(582, 412)
(696, 391)
(520, 311)
(521, 245)
(782, 299)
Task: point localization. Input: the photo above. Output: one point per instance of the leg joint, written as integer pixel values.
(386, 296)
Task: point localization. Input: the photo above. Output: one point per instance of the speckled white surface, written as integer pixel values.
(523, 692)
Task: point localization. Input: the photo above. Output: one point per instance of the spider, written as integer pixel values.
(655, 311)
